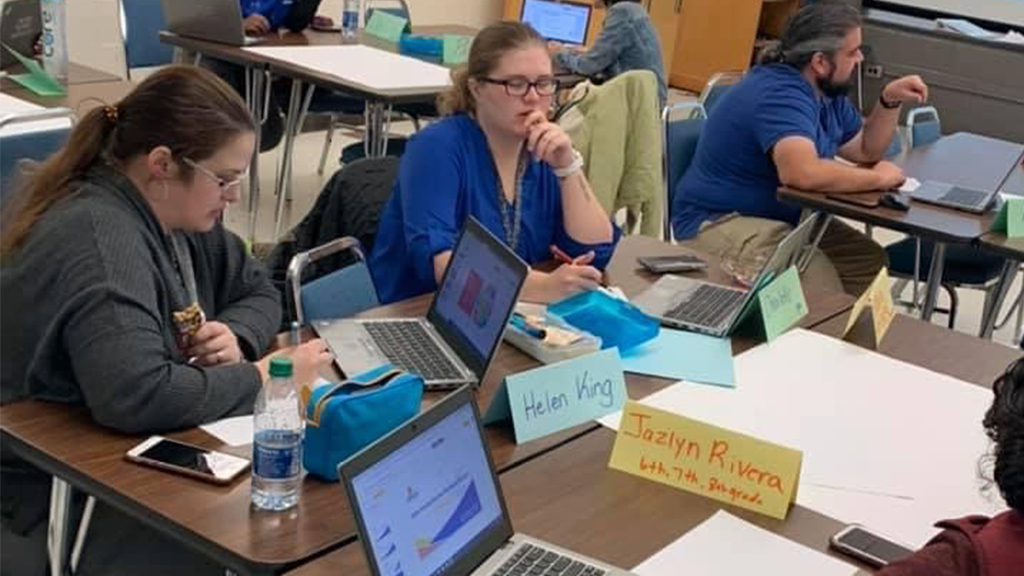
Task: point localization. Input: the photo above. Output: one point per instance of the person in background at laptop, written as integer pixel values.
(628, 41)
(497, 157)
(783, 125)
(978, 545)
(123, 292)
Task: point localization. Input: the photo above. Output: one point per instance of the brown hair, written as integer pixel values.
(186, 108)
(488, 47)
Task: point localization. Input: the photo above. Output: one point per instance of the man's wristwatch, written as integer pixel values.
(888, 105)
(574, 167)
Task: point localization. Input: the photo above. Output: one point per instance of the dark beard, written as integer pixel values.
(833, 89)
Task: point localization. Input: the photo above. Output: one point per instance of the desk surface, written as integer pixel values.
(571, 498)
(1014, 183)
(219, 521)
(80, 97)
(77, 74)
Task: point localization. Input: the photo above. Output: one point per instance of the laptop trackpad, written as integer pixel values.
(354, 350)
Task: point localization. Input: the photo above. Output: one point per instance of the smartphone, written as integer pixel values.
(187, 459)
(678, 263)
(867, 546)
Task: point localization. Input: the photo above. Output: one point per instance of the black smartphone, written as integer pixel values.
(665, 264)
(187, 459)
(867, 546)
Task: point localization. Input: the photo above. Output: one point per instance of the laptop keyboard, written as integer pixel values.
(408, 345)
(531, 560)
(968, 198)
(708, 306)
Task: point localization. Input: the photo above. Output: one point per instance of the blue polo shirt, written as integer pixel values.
(275, 11)
(447, 174)
(733, 171)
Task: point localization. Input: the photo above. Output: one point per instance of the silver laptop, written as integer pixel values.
(457, 340)
(213, 20)
(427, 502)
(565, 22)
(20, 26)
(713, 309)
(952, 196)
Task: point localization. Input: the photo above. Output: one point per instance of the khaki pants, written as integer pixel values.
(846, 260)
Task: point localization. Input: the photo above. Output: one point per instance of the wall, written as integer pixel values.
(94, 35)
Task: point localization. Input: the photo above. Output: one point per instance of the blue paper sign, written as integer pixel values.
(683, 355)
(546, 400)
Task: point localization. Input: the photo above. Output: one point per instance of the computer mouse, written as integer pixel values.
(895, 200)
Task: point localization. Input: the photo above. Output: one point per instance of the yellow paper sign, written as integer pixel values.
(878, 300)
(714, 462)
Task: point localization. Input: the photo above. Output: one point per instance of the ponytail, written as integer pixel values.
(772, 53)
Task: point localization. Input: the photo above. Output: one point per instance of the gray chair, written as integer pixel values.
(681, 127)
(338, 294)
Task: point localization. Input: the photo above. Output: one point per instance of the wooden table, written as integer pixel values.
(80, 97)
(77, 74)
(571, 498)
(219, 522)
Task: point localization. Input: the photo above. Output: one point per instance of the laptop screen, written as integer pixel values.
(562, 21)
(432, 501)
(477, 295)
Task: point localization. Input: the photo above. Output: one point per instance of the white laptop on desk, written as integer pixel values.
(952, 196)
(427, 502)
(213, 20)
(565, 22)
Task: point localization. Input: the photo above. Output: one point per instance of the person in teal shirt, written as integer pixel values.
(495, 157)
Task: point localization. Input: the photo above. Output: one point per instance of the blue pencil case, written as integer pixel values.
(616, 322)
(418, 45)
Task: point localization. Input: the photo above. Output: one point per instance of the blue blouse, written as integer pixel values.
(275, 11)
(447, 173)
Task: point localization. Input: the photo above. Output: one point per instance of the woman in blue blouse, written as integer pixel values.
(628, 41)
(495, 157)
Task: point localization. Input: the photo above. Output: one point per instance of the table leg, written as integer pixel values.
(376, 143)
(934, 281)
(258, 98)
(290, 129)
(990, 315)
(57, 530)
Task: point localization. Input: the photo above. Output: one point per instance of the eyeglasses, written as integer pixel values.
(224, 185)
(520, 86)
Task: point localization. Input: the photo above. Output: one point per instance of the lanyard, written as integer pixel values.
(512, 223)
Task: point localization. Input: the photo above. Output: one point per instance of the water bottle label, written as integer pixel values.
(350, 19)
(277, 455)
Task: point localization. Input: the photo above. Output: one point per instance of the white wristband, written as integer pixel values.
(576, 166)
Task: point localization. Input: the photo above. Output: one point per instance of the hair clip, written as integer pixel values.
(111, 113)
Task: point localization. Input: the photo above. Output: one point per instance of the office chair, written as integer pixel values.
(679, 144)
(716, 87)
(33, 144)
(338, 294)
(141, 23)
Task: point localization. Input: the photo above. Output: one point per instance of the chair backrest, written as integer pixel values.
(29, 137)
(716, 87)
(393, 7)
(924, 126)
(340, 293)
(680, 134)
(141, 23)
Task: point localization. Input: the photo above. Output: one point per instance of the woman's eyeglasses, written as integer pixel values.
(224, 185)
(520, 86)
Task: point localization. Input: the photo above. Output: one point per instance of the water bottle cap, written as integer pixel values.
(280, 367)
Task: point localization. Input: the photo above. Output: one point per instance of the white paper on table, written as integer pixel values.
(11, 105)
(238, 430)
(725, 545)
(876, 433)
(909, 185)
(371, 67)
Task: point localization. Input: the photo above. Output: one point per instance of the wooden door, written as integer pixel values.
(665, 18)
(714, 36)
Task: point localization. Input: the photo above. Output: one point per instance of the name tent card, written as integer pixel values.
(36, 79)
(456, 48)
(872, 314)
(386, 25)
(707, 460)
(780, 304)
(1010, 219)
(559, 396)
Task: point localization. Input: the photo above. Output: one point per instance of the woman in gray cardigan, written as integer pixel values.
(121, 289)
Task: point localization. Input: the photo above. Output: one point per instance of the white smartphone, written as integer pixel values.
(666, 264)
(867, 546)
(188, 459)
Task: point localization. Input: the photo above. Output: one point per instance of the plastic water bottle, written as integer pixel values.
(350, 19)
(277, 444)
(55, 38)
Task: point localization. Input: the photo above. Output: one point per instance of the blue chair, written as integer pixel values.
(141, 23)
(28, 145)
(679, 144)
(338, 294)
(717, 87)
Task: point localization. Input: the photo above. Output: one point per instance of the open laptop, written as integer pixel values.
(213, 20)
(457, 340)
(565, 22)
(20, 26)
(427, 503)
(952, 196)
(713, 309)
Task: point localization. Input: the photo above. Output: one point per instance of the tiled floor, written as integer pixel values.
(306, 184)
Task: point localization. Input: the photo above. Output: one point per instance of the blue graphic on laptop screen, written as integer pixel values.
(428, 502)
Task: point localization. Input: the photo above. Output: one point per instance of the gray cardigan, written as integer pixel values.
(87, 305)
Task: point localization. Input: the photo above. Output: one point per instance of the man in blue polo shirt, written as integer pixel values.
(784, 124)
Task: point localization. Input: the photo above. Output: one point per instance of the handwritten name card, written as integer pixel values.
(559, 396)
(780, 304)
(1010, 219)
(714, 462)
(877, 302)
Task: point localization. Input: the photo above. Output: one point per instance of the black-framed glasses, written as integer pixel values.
(224, 185)
(520, 86)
